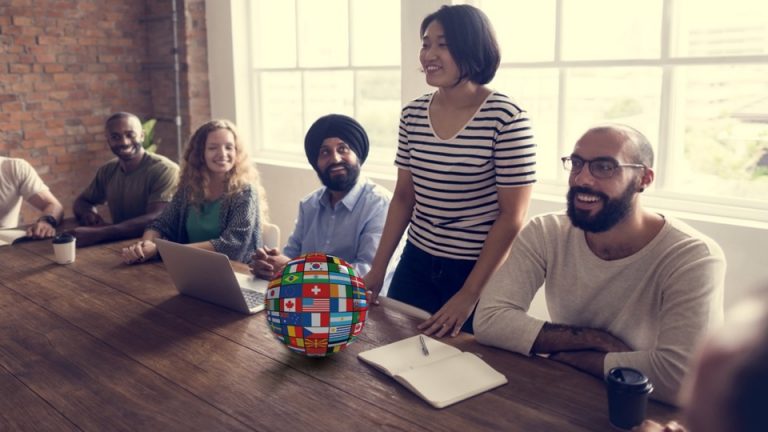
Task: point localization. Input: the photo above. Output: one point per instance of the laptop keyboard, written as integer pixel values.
(253, 298)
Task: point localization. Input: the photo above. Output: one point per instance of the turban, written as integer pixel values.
(338, 126)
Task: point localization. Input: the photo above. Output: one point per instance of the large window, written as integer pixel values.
(310, 58)
(691, 74)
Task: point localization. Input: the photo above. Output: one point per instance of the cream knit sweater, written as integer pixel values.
(659, 301)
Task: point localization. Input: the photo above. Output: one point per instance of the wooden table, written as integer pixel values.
(98, 345)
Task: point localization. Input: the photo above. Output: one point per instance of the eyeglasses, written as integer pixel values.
(601, 168)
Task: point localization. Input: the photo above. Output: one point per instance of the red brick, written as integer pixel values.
(33, 134)
(14, 106)
(53, 68)
(63, 77)
(19, 68)
(8, 98)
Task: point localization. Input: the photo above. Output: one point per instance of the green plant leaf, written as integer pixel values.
(150, 144)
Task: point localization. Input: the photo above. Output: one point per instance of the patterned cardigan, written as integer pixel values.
(238, 218)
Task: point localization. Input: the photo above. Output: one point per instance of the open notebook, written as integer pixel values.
(445, 376)
(10, 236)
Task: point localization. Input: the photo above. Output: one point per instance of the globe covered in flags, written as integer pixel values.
(317, 305)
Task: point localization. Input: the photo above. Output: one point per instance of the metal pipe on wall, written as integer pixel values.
(176, 78)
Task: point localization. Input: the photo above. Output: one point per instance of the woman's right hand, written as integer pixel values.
(374, 281)
(139, 252)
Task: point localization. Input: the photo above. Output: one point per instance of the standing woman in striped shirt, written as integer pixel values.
(466, 167)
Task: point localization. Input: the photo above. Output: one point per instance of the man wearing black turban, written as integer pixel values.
(329, 145)
(343, 218)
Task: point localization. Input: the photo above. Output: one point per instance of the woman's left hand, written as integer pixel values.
(139, 252)
(449, 319)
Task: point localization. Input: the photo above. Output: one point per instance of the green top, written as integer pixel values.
(128, 195)
(203, 222)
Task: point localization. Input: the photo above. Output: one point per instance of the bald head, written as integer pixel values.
(638, 146)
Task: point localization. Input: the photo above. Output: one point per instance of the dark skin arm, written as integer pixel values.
(86, 212)
(580, 347)
(98, 232)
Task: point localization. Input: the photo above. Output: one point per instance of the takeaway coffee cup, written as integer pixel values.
(64, 248)
(628, 391)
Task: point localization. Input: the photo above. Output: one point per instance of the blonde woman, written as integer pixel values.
(219, 205)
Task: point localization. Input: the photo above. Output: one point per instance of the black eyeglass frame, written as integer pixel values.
(596, 173)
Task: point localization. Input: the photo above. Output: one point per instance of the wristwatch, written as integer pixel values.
(50, 220)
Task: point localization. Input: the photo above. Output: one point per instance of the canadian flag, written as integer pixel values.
(289, 305)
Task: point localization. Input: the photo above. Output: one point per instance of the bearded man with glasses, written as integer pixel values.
(625, 286)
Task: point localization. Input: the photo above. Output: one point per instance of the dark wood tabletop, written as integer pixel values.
(98, 345)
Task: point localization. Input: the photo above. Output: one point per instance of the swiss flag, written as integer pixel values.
(315, 290)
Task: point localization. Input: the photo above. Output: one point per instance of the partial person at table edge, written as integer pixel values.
(726, 389)
(219, 205)
(344, 217)
(466, 167)
(625, 286)
(20, 182)
(136, 186)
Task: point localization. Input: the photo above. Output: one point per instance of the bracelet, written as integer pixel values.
(50, 220)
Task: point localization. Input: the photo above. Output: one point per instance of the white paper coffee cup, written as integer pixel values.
(64, 248)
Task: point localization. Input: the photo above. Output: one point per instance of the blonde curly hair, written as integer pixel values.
(195, 176)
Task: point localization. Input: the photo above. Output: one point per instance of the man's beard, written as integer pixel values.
(340, 183)
(613, 211)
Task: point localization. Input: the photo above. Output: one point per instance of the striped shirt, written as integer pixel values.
(455, 180)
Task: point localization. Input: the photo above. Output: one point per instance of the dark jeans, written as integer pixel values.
(427, 281)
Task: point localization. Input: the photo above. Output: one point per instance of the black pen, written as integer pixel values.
(424, 349)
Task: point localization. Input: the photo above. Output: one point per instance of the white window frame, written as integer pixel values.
(234, 67)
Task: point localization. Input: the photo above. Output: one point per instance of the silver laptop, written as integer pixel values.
(209, 276)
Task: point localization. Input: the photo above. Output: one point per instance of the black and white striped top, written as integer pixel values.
(455, 180)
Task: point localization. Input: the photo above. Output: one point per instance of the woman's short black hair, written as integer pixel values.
(471, 41)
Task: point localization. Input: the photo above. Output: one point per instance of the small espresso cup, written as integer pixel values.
(64, 248)
(628, 391)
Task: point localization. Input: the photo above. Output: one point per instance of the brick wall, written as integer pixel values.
(66, 64)
(193, 84)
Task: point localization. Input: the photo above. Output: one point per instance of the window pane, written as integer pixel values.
(610, 29)
(536, 92)
(280, 104)
(723, 122)
(621, 95)
(378, 110)
(327, 92)
(717, 28)
(375, 33)
(273, 34)
(323, 35)
(524, 29)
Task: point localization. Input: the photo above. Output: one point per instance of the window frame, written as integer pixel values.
(413, 85)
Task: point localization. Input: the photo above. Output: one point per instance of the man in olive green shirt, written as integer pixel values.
(136, 186)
